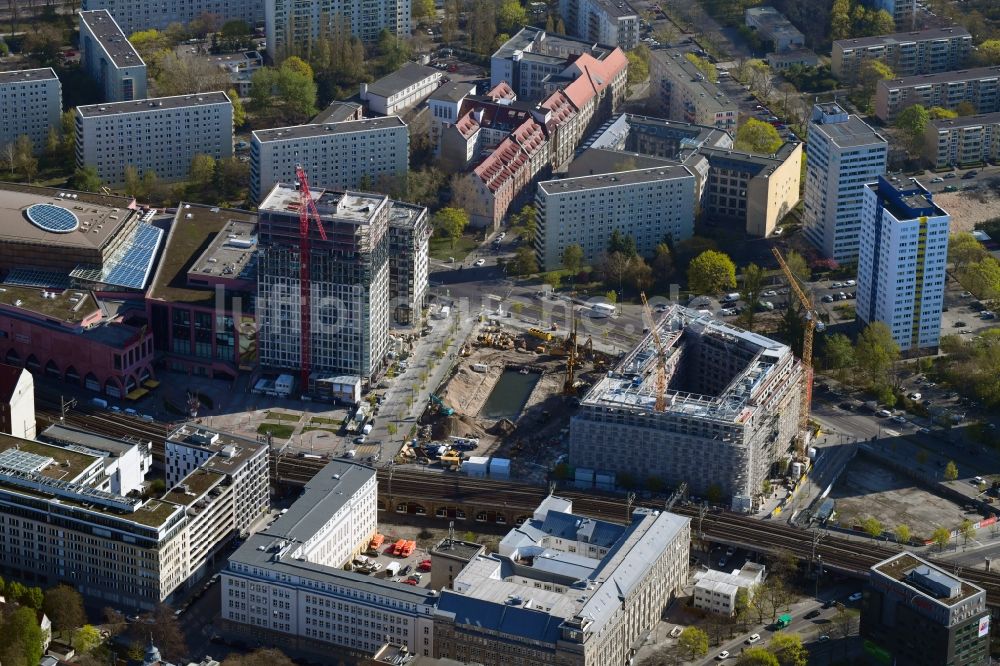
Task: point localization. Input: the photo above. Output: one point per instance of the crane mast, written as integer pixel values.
(661, 357)
(807, 352)
(307, 212)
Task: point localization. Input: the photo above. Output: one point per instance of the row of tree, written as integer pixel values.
(975, 268)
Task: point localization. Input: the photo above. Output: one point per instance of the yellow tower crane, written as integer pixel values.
(811, 317)
(661, 357)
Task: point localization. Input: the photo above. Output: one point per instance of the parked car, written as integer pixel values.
(854, 597)
(722, 656)
(939, 179)
(812, 614)
(480, 262)
(950, 174)
(969, 175)
(884, 413)
(753, 639)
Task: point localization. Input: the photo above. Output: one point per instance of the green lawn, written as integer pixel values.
(279, 430)
(314, 428)
(441, 249)
(320, 419)
(281, 416)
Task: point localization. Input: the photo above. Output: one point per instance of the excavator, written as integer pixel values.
(443, 409)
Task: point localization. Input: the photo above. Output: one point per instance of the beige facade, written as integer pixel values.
(906, 53)
(963, 141)
(979, 87)
(688, 96)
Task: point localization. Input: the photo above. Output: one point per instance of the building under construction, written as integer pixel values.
(348, 313)
(730, 411)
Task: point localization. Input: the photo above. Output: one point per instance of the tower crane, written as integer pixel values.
(810, 324)
(661, 357)
(571, 360)
(307, 211)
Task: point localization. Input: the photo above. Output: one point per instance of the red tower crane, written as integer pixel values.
(307, 211)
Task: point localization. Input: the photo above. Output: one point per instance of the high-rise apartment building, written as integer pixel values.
(109, 58)
(901, 265)
(844, 155)
(980, 87)
(349, 297)
(687, 95)
(963, 141)
(135, 15)
(292, 25)
(161, 134)
(357, 154)
(30, 103)
(409, 243)
(602, 21)
(906, 53)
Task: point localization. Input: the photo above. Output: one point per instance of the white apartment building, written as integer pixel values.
(126, 461)
(901, 266)
(30, 103)
(963, 141)
(161, 134)
(716, 591)
(444, 105)
(687, 95)
(356, 154)
(647, 204)
(409, 261)
(287, 583)
(401, 90)
(844, 154)
(602, 21)
(17, 402)
(291, 26)
(135, 15)
(349, 305)
(109, 58)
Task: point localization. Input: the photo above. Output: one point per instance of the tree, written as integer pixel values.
(21, 635)
(24, 150)
(202, 170)
(528, 217)
(259, 657)
(132, 180)
(694, 642)
(638, 64)
(950, 471)
(524, 262)
(838, 352)
(67, 124)
(881, 23)
(33, 598)
(43, 44)
(572, 258)
(86, 638)
(982, 278)
(239, 113)
(941, 536)
(964, 249)
(451, 222)
(840, 19)
(615, 267)
(760, 602)
(988, 53)
(741, 605)
(640, 274)
(422, 9)
(873, 71)
(844, 620)
(287, 93)
(621, 243)
(967, 531)
(704, 66)
(903, 534)
(789, 650)
(511, 16)
(663, 263)
(965, 108)
(876, 352)
(165, 631)
(187, 74)
(757, 136)
(753, 284)
(912, 121)
(872, 527)
(940, 113)
(64, 607)
(757, 656)
(711, 272)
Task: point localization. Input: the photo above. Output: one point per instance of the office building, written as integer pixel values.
(772, 26)
(108, 57)
(716, 591)
(409, 243)
(906, 53)
(844, 154)
(903, 12)
(730, 410)
(914, 612)
(444, 105)
(602, 21)
(687, 95)
(564, 589)
(17, 402)
(293, 26)
(401, 90)
(356, 154)
(531, 60)
(786, 59)
(962, 142)
(30, 103)
(979, 87)
(288, 586)
(901, 265)
(136, 15)
(161, 135)
(648, 205)
(126, 459)
(349, 300)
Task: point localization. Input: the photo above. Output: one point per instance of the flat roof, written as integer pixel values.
(28, 75)
(849, 134)
(194, 228)
(332, 205)
(97, 218)
(766, 163)
(550, 46)
(462, 550)
(231, 254)
(409, 74)
(230, 451)
(899, 566)
(194, 486)
(967, 121)
(66, 465)
(454, 91)
(153, 104)
(614, 179)
(68, 436)
(338, 112)
(708, 93)
(955, 76)
(322, 129)
(70, 306)
(617, 8)
(111, 38)
(902, 37)
(404, 215)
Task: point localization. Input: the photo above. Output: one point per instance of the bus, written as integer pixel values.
(603, 310)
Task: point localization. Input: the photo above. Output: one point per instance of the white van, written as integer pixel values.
(367, 429)
(731, 298)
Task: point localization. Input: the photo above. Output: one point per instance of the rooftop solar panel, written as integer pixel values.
(29, 277)
(54, 219)
(131, 266)
(23, 461)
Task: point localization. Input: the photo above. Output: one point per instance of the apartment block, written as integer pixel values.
(844, 154)
(716, 591)
(915, 612)
(409, 243)
(356, 154)
(731, 409)
(444, 105)
(687, 95)
(288, 585)
(401, 90)
(293, 26)
(772, 26)
(906, 53)
(17, 402)
(161, 134)
(126, 460)
(901, 266)
(602, 21)
(135, 15)
(564, 589)
(30, 103)
(647, 204)
(349, 299)
(979, 87)
(903, 12)
(962, 142)
(109, 58)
